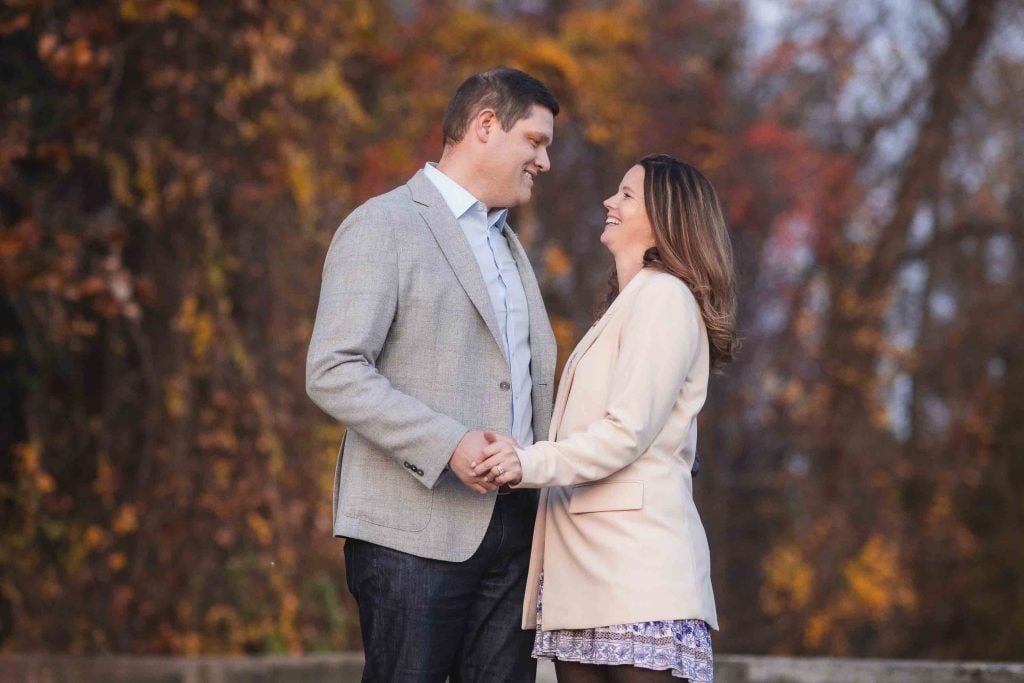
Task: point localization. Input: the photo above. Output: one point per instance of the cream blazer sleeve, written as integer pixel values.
(659, 344)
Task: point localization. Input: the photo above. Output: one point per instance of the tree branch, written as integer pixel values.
(950, 75)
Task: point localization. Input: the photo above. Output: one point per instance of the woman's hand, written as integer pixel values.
(498, 461)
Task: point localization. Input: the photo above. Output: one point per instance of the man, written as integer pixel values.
(431, 330)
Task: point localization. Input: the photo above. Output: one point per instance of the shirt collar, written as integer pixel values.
(458, 198)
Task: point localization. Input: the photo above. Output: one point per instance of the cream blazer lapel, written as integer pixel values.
(581, 349)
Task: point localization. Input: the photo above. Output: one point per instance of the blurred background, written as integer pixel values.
(171, 173)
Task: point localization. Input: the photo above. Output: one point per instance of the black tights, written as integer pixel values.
(574, 672)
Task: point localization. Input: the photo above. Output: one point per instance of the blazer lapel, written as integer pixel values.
(569, 372)
(453, 243)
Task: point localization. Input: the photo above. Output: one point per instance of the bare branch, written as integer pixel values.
(947, 15)
(953, 238)
(950, 75)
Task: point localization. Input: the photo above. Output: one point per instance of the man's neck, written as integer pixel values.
(463, 174)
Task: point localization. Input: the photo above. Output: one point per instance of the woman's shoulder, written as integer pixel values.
(665, 288)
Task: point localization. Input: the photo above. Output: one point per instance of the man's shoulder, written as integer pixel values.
(396, 199)
(394, 208)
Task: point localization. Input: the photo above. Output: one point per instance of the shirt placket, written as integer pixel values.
(507, 328)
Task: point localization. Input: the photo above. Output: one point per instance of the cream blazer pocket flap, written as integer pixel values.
(607, 496)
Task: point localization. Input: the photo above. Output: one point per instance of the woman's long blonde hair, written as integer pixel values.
(691, 241)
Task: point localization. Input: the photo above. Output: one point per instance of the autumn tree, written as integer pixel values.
(171, 173)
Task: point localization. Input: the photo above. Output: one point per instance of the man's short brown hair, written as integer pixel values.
(509, 92)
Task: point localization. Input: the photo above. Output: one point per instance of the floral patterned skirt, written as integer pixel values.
(683, 645)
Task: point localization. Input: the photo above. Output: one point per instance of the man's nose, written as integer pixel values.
(543, 162)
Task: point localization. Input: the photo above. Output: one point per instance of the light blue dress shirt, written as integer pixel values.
(485, 232)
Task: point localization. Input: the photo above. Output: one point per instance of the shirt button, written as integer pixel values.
(505, 386)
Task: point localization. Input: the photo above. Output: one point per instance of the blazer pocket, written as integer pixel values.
(607, 496)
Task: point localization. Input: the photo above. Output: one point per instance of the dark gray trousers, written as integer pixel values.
(428, 620)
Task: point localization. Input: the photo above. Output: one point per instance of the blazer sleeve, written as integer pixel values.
(358, 303)
(659, 344)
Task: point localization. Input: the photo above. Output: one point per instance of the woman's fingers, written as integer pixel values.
(499, 464)
(488, 452)
(506, 470)
(511, 473)
(489, 463)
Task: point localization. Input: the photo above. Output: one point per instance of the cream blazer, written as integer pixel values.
(618, 537)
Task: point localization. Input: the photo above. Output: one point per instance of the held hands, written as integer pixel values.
(498, 462)
(483, 461)
(464, 458)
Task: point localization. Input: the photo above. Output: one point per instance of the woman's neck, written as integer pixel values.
(626, 268)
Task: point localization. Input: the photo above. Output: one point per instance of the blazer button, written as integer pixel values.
(406, 465)
(505, 386)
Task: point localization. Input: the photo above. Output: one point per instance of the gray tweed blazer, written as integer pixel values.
(406, 354)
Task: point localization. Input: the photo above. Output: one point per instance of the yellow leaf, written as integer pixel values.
(44, 482)
(185, 8)
(556, 262)
(93, 536)
(203, 335)
(174, 396)
(789, 580)
(260, 527)
(876, 581)
(818, 626)
(129, 10)
(301, 178)
(28, 453)
(106, 478)
(127, 520)
(116, 561)
(120, 179)
(222, 472)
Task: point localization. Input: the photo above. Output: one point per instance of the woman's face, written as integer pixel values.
(627, 228)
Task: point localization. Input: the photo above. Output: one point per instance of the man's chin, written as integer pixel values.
(517, 200)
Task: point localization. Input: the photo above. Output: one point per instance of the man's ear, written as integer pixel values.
(483, 124)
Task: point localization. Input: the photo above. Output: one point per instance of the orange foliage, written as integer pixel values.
(172, 171)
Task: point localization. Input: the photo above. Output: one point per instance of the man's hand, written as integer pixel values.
(499, 463)
(466, 453)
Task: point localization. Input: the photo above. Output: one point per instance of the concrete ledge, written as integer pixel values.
(47, 668)
(747, 669)
(344, 667)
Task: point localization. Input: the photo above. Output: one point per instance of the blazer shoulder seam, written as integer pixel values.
(666, 282)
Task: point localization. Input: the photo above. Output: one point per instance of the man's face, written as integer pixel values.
(515, 157)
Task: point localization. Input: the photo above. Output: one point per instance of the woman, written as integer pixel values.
(619, 586)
